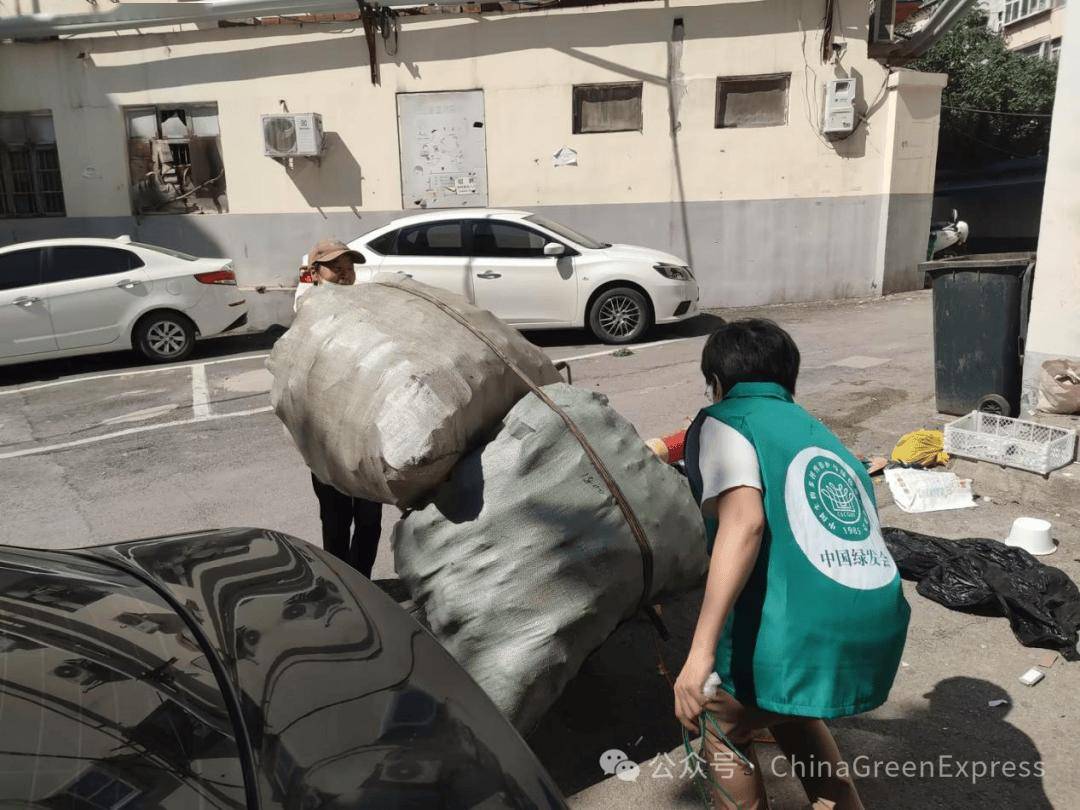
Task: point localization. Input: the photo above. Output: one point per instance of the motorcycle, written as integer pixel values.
(947, 238)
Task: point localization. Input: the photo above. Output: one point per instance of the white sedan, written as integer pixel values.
(65, 297)
(532, 272)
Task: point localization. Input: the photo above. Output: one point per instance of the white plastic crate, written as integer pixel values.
(1010, 442)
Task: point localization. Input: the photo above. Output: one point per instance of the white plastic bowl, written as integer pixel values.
(1032, 535)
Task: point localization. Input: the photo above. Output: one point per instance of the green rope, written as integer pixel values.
(705, 719)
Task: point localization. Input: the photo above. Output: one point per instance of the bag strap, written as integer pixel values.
(609, 481)
(706, 719)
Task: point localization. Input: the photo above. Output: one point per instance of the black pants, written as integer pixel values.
(339, 513)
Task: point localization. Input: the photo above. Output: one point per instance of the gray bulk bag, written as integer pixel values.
(383, 391)
(523, 561)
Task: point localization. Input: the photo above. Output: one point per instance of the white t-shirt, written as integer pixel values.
(726, 460)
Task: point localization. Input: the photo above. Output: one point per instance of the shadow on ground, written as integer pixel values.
(955, 734)
(704, 324)
(958, 743)
(211, 349)
(619, 699)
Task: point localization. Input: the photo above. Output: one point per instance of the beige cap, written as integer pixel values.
(329, 249)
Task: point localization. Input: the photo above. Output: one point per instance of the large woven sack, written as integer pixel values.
(383, 392)
(524, 563)
(1059, 387)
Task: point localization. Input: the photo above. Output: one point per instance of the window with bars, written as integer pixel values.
(1019, 9)
(29, 167)
(174, 156)
(1049, 49)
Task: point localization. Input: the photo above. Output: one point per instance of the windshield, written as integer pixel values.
(567, 233)
(176, 254)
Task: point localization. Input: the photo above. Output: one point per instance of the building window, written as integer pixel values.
(29, 167)
(1046, 49)
(752, 101)
(607, 107)
(174, 156)
(1019, 9)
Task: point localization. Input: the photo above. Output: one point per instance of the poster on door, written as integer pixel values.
(443, 149)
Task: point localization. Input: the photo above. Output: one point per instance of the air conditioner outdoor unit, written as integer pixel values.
(290, 135)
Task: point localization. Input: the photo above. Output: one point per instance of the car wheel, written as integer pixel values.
(620, 315)
(163, 337)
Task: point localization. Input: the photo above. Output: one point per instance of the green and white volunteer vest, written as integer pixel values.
(820, 626)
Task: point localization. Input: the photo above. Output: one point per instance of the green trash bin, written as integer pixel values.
(981, 305)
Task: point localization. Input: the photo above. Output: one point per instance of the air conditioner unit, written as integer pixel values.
(290, 135)
(839, 116)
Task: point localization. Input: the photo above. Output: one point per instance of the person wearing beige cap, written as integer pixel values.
(331, 262)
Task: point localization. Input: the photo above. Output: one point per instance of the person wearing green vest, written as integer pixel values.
(803, 617)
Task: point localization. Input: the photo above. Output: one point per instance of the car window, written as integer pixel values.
(384, 244)
(68, 263)
(431, 239)
(502, 239)
(22, 268)
(567, 233)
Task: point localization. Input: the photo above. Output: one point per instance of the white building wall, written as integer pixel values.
(765, 214)
(1054, 327)
(1045, 26)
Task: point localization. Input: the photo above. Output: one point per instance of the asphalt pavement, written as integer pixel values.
(96, 450)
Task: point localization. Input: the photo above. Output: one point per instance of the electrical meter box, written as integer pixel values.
(839, 116)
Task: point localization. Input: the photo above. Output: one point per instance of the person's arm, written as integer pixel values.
(741, 518)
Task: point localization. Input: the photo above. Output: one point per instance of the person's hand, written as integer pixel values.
(689, 688)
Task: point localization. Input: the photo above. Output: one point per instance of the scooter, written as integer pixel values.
(947, 238)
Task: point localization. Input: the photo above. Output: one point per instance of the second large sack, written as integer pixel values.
(383, 391)
(523, 561)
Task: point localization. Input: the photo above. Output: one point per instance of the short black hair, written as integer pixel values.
(750, 350)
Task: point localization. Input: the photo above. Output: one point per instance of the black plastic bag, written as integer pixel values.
(992, 579)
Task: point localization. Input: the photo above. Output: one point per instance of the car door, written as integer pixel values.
(25, 325)
(432, 253)
(94, 293)
(513, 278)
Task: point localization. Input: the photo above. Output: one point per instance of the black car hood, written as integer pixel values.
(339, 697)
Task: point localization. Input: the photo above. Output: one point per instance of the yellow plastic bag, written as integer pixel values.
(925, 448)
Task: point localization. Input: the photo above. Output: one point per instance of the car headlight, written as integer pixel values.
(676, 272)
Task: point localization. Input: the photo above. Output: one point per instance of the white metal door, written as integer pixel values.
(443, 149)
(93, 294)
(25, 326)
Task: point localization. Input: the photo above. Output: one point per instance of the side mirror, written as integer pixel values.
(554, 249)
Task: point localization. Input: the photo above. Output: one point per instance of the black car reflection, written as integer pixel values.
(233, 669)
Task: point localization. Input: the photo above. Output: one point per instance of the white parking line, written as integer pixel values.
(136, 372)
(201, 402)
(200, 392)
(51, 448)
